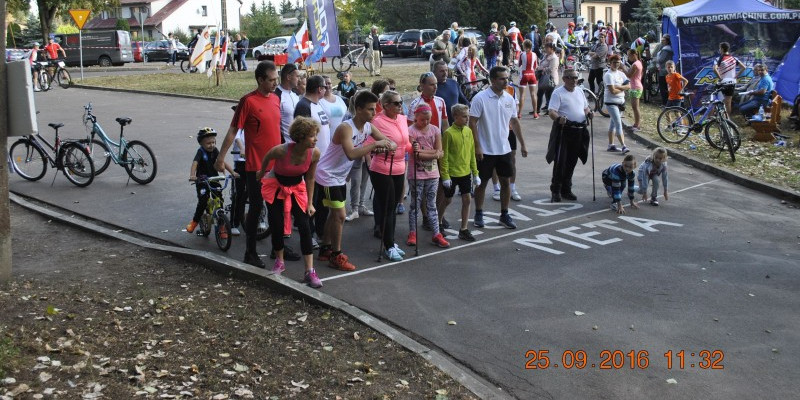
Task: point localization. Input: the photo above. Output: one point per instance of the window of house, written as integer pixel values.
(609, 16)
(204, 11)
(591, 14)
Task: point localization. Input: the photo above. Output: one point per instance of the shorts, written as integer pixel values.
(635, 93)
(674, 103)
(512, 140)
(463, 183)
(501, 164)
(333, 196)
(727, 90)
(528, 78)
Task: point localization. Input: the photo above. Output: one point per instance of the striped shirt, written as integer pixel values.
(618, 179)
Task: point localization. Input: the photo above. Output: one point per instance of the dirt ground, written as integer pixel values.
(89, 317)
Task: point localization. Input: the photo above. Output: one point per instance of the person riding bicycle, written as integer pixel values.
(203, 166)
(53, 48)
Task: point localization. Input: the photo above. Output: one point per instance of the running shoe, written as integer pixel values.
(496, 195)
(191, 227)
(235, 231)
(399, 250)
(314, 243)
(312, 279)
(612, 147)
(254, 260)
(325, 253)
(279, 267)
(515, 196)
(569, 196)
(625, 150)
(341, 262)
(444, 224)
(401, 208)
(393, 255)
(353, 215)
(614, 206)
(465, 234)
(478, 220)
(653, 202)
(535, 116)
(555, 198)
(365, 212)
(412, 239)
(439, 240)
(507, 221)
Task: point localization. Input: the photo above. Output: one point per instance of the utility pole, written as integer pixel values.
(5, 211)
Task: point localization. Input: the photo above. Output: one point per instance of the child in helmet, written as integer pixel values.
(203, 166)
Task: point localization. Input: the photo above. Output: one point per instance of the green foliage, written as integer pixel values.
(181, 36)
(647, 16)
(123, 25)
(263, 21)
(286, 6)
(791, 4)
(8, 354)
(13, 36)
(66, 28)
(52, 10)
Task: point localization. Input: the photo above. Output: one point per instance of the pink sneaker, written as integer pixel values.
(312, 279)
(278, 268)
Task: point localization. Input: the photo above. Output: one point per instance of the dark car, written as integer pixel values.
(479, 36)
(388, 42)
(410, 42)
(158, 51)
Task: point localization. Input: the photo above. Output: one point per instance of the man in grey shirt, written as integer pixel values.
(598, 54)
(442, 48)
(664, 54)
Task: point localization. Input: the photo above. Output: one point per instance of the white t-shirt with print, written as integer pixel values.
(494, 113)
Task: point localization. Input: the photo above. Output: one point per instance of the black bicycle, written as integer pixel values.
(31, 154)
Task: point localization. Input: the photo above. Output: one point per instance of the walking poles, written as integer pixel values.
(591, 132)
(386, 208)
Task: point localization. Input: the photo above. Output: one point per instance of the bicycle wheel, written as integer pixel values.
(652, 87)
(100, 153)
(674, 124)
(366, 60)
(262, 229)
(205, 225)
(340, 64)
(139, 162)
(591, 99)
(63, 78)
(44, 80)
(601, 104)
(77, 165)
(28, 160)
(222, 225)
(728, 136)
(714, 135)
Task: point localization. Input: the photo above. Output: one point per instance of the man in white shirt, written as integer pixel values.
(491, 113)
(288, 98)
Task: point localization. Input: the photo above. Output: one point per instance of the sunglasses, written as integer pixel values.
(397, 103)
(570, 77)
(392, 88)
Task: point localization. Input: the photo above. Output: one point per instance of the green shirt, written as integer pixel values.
(458, 147)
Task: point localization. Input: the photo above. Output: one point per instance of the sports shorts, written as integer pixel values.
(333, 196)
(502, 164)
(463, 183)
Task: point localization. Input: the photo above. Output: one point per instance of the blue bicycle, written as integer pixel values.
(135, 156)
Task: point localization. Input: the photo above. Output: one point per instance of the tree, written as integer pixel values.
(123, 25)
(50, 10)
(791, 4)
(262, 22)
(286, 7)
(647, 16)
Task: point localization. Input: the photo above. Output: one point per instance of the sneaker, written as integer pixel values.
(612, 147)
(439, 240)
(341, 262)
(312, 279)
(401, 208)
(235, 231)
(515, 196)
(412, 239)
(223, 234)
(636, 128)
(279, 267)
(614, 206)
(625, 150)
(314, 243)
(325, 253)
(399, 250)
(555, 198)
(254, 260)
(465, 234)
(478, 220)
(444, 224)
(37, 90)
(507, 221)
(365, 212)
(353, 215)
(262, 225)
(535, 116)
(191, 227)
(496, 195)
(393, 255)
(653, 202)
(569, 196)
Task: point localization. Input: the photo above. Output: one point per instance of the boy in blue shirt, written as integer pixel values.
(616, 177)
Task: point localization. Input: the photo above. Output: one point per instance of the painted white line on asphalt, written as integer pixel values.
(477, 242)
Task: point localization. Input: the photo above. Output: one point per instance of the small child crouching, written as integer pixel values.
(616, 178)
(654, 169)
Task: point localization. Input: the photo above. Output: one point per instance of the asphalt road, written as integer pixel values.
(712, 272)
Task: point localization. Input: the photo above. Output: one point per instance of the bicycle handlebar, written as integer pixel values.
(207, 180)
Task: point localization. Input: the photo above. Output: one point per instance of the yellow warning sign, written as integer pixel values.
(80, 17)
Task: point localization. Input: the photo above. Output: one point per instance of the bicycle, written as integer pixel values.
(471, 88)
(60, 73)
(350, 60)
(29, 158)
(675, 123)
(214, 217)
(594, 101)
(262, 229)
(135, 156)
(186, 67)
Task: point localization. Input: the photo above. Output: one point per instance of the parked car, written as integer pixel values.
(276, 45)
(104, 48)
(480, 38)
(388, 42)
(158, 50)
(410, 42)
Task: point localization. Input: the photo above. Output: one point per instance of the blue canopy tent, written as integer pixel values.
(757, 33)
(787, 75)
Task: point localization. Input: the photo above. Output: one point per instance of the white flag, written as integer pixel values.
(202, 51)
(215, 56)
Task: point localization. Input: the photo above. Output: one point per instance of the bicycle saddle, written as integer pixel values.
(124, 121)
(55, 126)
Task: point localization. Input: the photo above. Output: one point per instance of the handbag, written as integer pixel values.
(546, 81)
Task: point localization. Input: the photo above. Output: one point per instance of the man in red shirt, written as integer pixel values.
(53, 48)
(259, 114)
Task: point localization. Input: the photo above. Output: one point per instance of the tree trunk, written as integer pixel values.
(46, 15)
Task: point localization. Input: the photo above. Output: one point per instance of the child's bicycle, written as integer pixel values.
(135, 156)
(31, 154)
(214, 218)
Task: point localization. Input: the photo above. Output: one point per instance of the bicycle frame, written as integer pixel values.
(98, 130)
(353, 58)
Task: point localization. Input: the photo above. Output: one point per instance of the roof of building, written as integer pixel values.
(153, 20)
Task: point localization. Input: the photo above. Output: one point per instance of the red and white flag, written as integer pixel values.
(202, 51)
(215, 56)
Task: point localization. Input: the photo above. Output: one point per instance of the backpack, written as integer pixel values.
(490, 46)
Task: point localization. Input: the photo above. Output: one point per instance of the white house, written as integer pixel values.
(164, 16)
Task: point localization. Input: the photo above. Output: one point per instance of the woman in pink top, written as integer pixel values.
(386, 171)
(634, 73)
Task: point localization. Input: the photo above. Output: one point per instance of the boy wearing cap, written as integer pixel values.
(203, 166)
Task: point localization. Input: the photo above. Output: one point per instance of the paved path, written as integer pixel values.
(713, 268)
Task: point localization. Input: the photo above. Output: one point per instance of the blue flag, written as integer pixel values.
(294, 52)
(317, 55)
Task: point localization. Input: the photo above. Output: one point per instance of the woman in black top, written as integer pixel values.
(505, 46)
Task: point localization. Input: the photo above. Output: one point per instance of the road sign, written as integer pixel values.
(80, 17)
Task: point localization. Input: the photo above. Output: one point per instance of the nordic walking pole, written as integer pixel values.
(388, 203)
(416, 203)
(591, 127)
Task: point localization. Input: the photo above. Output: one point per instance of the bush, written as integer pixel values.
(181, 36)
(66, 29)
(122, 25)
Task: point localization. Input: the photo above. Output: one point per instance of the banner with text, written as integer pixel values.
(322, 27)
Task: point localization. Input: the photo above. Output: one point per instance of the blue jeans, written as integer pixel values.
(616, 119)
(751, 106)
(491, 61)
(172, 57)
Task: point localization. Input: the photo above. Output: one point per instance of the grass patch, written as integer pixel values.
(234, 85)
(759, 160)
(8, 353)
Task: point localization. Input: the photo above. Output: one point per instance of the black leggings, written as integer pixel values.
(595, 75)
(275, 215)
(202, 201)
(388, 193)
(543, 94)
(256, 202)
(239, 197)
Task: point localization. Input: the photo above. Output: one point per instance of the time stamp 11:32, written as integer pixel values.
(618, 359)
